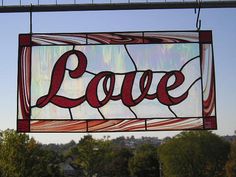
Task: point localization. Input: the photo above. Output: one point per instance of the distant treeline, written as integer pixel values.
(189, 154)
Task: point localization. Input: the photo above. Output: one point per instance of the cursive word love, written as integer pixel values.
(125, 95)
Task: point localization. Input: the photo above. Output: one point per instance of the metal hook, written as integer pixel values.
(198, 20)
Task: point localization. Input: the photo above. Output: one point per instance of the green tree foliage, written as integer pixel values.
(231, 164)
(194, 154)
(21, 156)
(144, 162)
(100, 158)
(189, 154)
(118, 161)
(90, 156)
(13, 154)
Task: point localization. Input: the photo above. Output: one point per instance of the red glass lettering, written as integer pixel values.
(162, 89)
(126, 96)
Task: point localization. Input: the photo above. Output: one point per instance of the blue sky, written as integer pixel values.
(221, 21)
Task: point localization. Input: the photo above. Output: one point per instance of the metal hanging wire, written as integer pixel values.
(31, 19)
(198, 11)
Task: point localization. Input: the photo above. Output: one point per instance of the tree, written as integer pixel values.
(144, 162)
(21, 156)
(13, 154)
(100, 158)
(117, 162)
(231, 164)
(44, 162)
(90, 156)
(194, 154)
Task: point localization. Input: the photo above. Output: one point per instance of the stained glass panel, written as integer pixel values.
(112, 82)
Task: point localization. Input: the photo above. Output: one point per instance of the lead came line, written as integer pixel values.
(172, 111)
(71, 116)
(101, 113)
(133, 112)
(135, 67)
